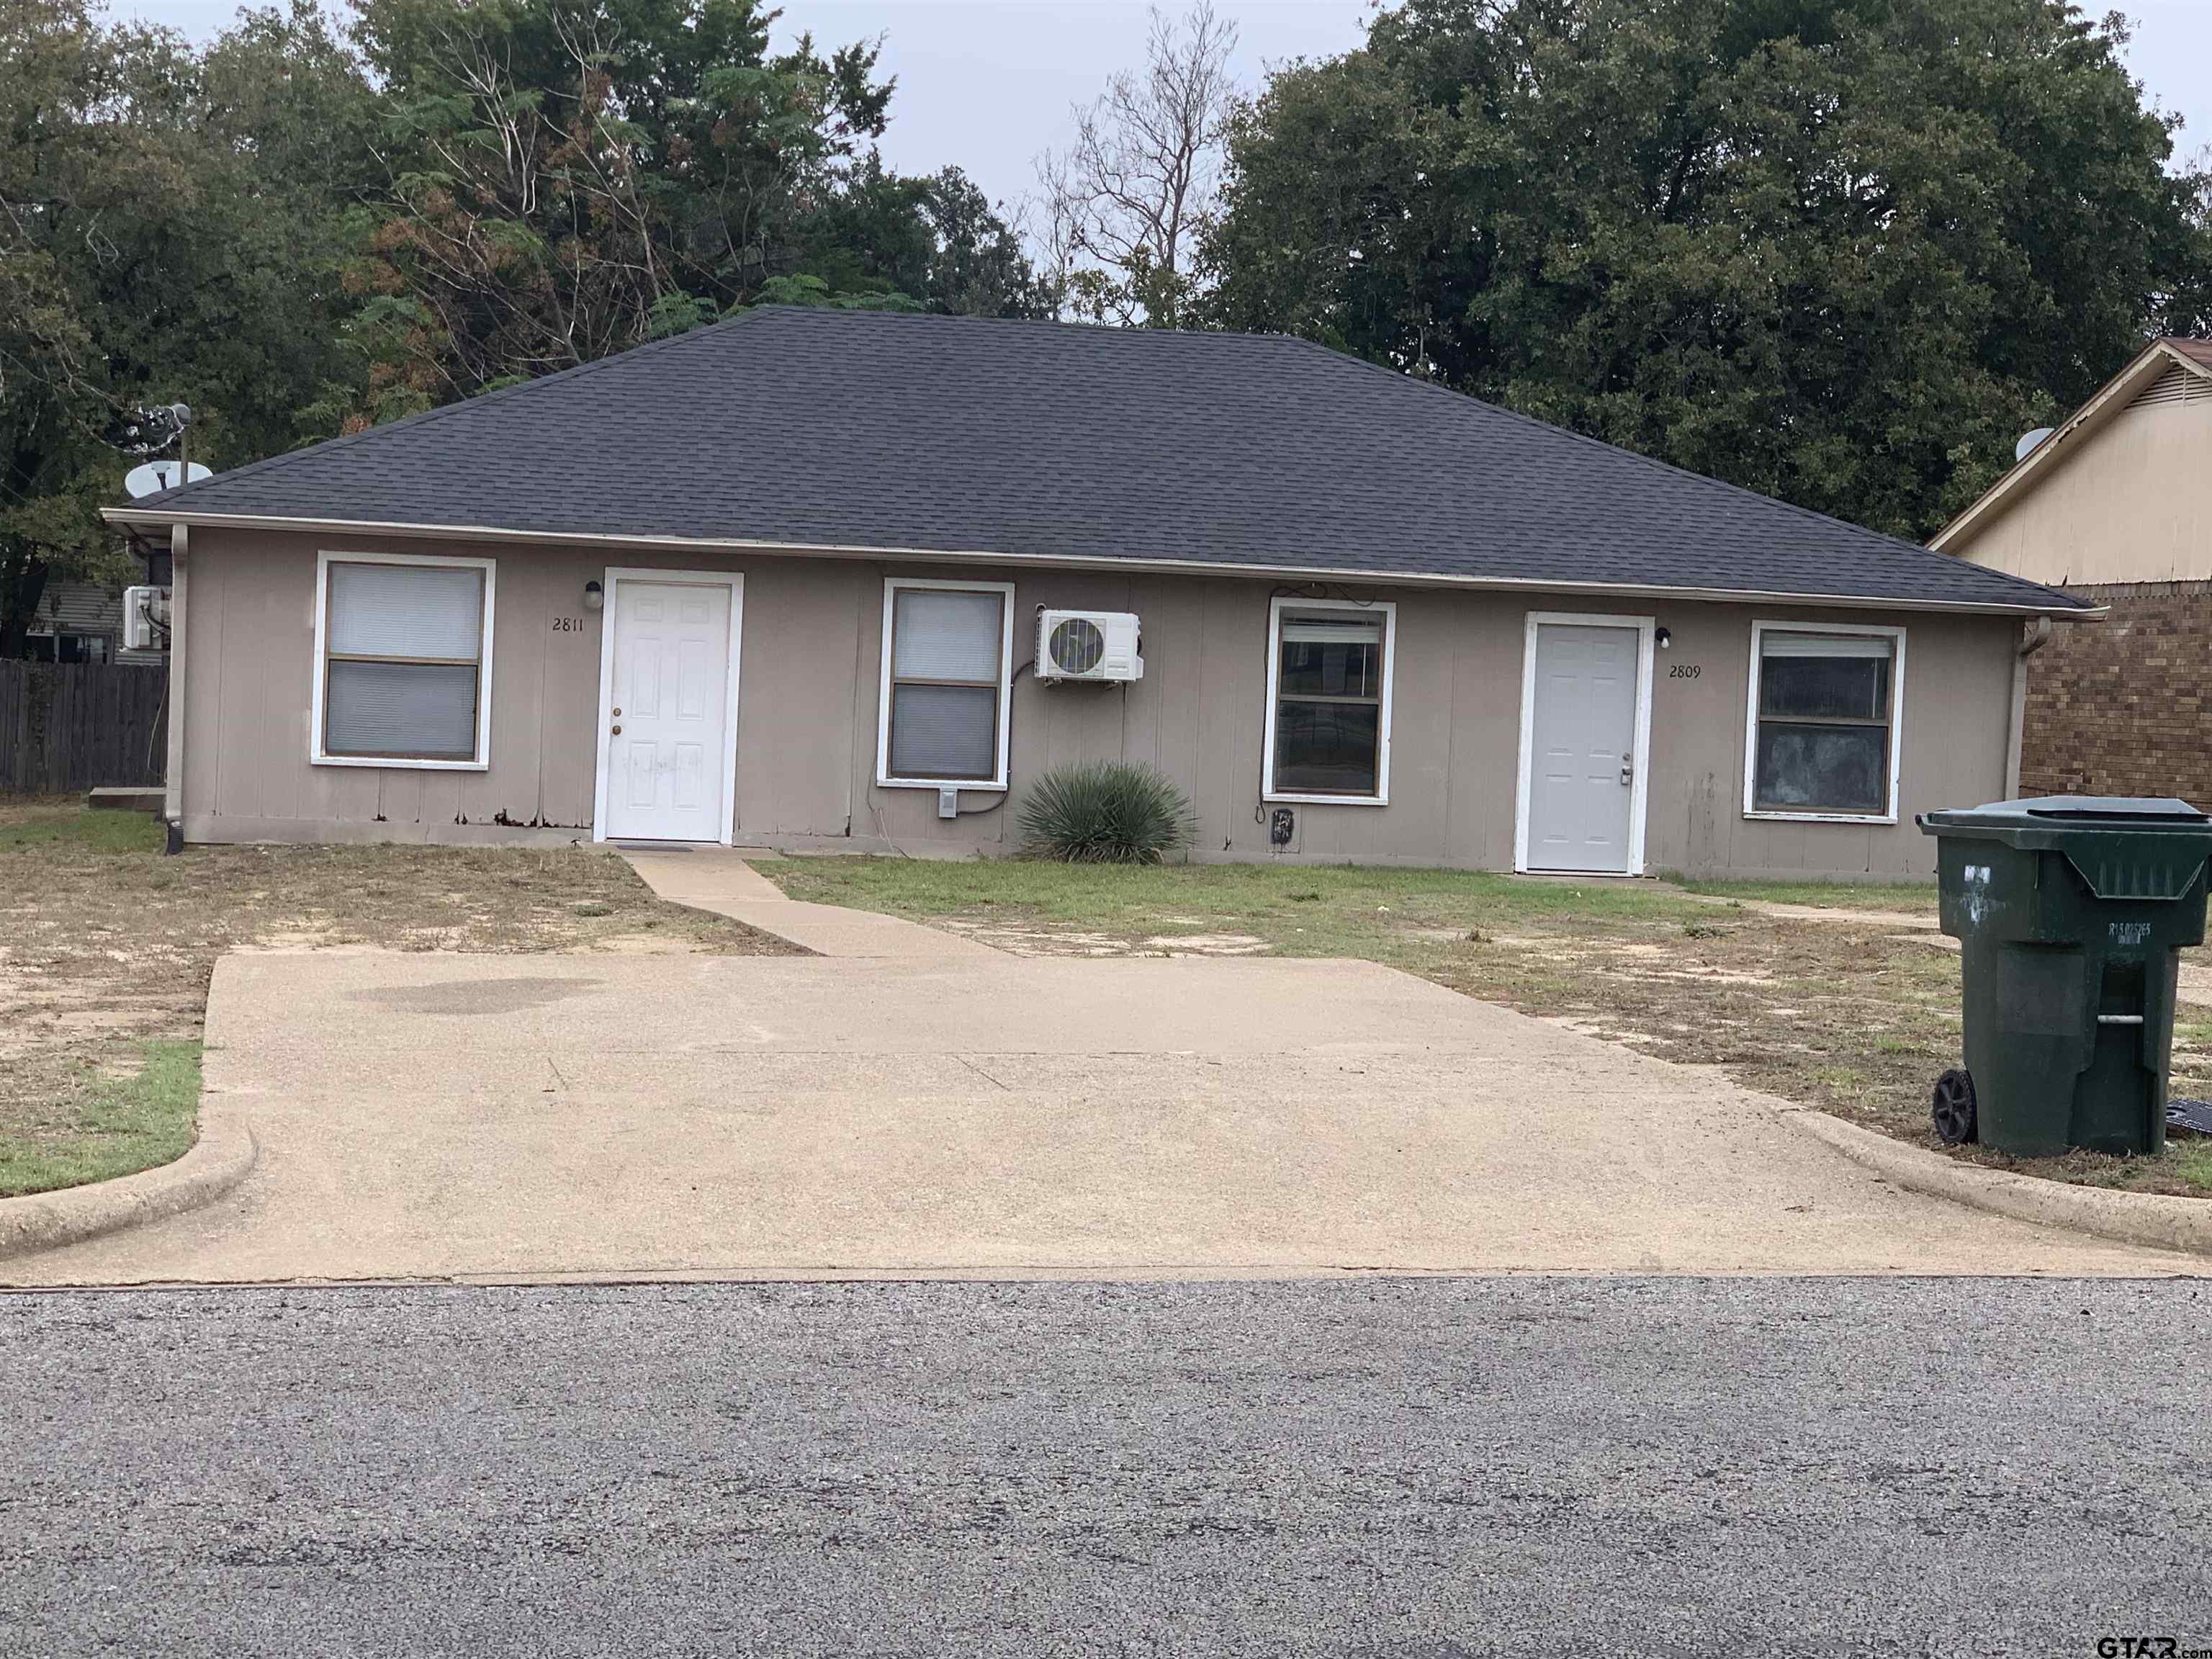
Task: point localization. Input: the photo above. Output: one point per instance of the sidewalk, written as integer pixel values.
(716, 880)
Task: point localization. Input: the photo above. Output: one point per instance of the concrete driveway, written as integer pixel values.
(505, 1117)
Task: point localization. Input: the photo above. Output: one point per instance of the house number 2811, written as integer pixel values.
(1681, 670)
(567, 624)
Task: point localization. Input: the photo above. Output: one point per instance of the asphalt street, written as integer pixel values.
(1389, 1467)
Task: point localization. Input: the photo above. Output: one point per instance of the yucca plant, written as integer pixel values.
(1107, 812)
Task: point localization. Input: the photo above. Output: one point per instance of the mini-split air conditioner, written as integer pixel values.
(145, 619)
(1088, 645)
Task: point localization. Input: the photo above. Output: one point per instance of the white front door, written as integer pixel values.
(668, 739)
(1580, 769)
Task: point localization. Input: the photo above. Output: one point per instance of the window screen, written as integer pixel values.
(948, 659)
(1824, 723)
(1328, 704)
(402, 660)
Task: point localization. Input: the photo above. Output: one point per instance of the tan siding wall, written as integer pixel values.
(2134, 504)
(806, 727)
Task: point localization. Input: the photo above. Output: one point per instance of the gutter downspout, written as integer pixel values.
(172, 775)
(2034, 635)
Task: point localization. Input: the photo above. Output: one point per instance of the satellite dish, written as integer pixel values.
(2028, 442)
(156, 477)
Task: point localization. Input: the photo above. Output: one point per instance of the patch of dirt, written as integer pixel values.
(639, 945)
(1208, 944)
(1036, 941)
(296, 939)
(1923, 920)
(1700, 976)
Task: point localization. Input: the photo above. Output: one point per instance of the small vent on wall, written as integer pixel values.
(2177, 386)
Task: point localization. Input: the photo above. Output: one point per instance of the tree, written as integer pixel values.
(934, 243)
(1839, 251)
(1124, 203)
(569, 178)
(286, 106)
(152, 249)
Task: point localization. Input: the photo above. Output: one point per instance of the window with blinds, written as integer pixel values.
(1824, 725)
(1328, 722)
(404, 646)
(946, 669)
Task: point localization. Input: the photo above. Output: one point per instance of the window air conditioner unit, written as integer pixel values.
(1088, 645)
(145, 619)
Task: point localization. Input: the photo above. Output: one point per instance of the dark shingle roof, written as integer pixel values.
(1037, 440)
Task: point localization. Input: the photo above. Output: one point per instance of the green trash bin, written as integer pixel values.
(2069, 911)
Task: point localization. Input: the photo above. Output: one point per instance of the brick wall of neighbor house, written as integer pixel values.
(2124, 707)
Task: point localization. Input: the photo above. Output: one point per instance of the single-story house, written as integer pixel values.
(785, 581)
(2115, 506)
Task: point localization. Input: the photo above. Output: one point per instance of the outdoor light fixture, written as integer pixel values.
(1662, 638)
(594, 596)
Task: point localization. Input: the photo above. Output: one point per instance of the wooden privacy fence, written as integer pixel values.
(81, 726)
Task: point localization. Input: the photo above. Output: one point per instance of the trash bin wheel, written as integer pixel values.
(1952, 1107)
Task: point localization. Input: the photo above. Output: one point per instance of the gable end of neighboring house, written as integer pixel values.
(2115, 508)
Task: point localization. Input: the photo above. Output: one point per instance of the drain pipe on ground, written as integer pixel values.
(2034, 635)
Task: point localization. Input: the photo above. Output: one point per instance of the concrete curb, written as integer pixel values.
(214, 1163)
(2151, 1218)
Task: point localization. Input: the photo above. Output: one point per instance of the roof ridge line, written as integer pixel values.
(1083, 325)
(474, 400)
(477, 399)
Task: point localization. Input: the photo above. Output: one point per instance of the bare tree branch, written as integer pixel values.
(1122, 206)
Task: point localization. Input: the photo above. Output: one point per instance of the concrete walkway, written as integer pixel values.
(716, 880)
(976, 1114)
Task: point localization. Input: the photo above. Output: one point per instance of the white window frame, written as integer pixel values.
(892, 588)
(1388, 610)
(1760, 630)
(1639, 790)
(481, 761)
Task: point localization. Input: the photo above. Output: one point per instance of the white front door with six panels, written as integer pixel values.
(668, 737)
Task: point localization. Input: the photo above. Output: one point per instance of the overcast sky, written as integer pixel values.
(986, 84)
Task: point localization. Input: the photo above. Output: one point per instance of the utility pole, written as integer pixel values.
(182, 414)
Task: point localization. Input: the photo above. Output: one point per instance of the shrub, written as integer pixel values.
(1106, 813)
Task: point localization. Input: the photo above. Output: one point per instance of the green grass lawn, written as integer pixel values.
(1917, 898)
(1307, 911)
(1856, 1016)
(113, 1126)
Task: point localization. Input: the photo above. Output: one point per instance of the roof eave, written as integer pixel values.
(2114, 395)
(152, 518)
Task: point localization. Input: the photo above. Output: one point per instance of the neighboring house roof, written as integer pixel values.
(2165, 369)
(965, 438)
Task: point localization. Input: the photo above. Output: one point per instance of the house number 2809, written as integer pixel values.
(1681, 670)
